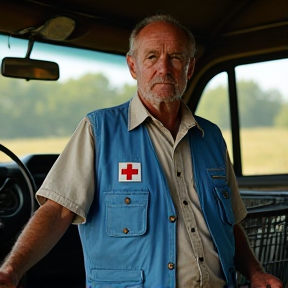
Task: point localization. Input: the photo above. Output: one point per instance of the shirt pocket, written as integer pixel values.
(101, 278)
(126, 213)
(222, 194)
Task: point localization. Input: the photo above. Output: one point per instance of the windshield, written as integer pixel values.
(40, 116)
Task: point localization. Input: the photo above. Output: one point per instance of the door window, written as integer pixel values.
(262, 91)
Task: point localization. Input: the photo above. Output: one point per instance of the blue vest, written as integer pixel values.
(129, 238)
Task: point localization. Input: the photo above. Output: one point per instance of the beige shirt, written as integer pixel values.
(71, 184)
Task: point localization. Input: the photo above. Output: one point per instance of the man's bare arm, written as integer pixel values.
(247, 264)
(39, 236)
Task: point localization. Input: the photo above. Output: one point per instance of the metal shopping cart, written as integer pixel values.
(266, 226)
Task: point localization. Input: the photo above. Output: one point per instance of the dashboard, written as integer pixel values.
(64, 265)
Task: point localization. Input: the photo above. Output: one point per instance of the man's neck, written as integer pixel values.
(168, 113)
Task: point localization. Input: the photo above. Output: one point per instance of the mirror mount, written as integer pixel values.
(30, 47)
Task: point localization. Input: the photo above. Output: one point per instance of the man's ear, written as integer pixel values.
(132, 66)
(191, 68)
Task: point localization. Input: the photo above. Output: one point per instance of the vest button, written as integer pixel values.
(125, 230)
(225, 194)
(201, 259)
(170, 266)
(172, 219)
(127, 200)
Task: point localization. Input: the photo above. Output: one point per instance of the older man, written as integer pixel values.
(152, 185)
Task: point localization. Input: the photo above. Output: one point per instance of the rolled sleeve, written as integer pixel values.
(70, 181)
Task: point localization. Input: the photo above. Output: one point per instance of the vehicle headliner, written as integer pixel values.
(105, 25)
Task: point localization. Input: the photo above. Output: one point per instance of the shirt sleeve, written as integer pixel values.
(70, 182)
(238, 205)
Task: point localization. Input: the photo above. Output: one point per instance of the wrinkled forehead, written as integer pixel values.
(162, 29)
(162, 34)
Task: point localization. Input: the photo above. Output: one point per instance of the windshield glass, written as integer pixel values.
(40, 116)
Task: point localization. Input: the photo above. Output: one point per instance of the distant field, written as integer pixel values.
(264, 150)
(22, 147)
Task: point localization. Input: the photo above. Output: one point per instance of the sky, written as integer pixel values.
(269, 75)
(74, 64)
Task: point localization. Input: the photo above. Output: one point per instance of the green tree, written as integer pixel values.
(281, 119)
(124, 93)
(40, 108)
(257, 108)
(214, 106)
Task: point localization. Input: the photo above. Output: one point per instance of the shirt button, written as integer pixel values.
(172, 219)
(125, 230)
(127, 200)
(178, 173)
(201, 259)
(170, 266)
(193, 230)
(185, 202)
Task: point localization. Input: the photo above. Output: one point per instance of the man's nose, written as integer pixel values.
(164, 65)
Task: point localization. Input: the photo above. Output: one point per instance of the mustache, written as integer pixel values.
(167, 79)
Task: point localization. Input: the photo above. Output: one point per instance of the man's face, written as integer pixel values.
(161, 63)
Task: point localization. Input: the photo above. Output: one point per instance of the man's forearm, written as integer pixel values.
(39, 236)
(245, 260)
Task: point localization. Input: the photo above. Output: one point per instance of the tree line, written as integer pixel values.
(46, 109)
(49, 109)
(257, 108)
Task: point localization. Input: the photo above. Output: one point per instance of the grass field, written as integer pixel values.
(264, 150)
(22, 147)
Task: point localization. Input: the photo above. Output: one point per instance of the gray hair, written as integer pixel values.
(191, 45)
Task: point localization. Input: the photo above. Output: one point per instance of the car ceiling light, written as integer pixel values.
(58, 28)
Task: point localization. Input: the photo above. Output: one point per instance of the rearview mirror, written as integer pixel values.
(29, 69)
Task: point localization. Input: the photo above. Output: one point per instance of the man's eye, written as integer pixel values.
(151, 56)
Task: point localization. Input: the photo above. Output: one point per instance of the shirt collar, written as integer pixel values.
(138, 114)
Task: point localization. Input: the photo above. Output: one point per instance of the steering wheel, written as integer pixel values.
(17, 202)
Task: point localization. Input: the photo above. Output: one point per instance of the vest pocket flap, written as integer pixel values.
(117, 278)
(225, 206)
(218, 176)
(126, 213)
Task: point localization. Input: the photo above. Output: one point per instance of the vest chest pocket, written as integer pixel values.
(126, 213)
(223, 195)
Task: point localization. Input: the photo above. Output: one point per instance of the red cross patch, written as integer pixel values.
(129, 172)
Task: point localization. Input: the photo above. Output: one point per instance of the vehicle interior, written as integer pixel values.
(63, 59)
